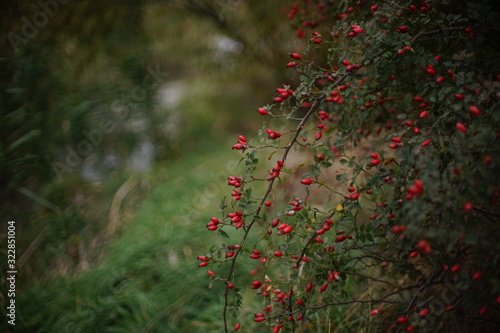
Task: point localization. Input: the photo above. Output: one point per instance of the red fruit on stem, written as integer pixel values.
(423, 312)
(262, 111)
(461, 127)
(468, 206)
(256, 284)
(396, 139)
(398, 229)
(306, 181)
(341, 238)
(237, 327)
(426, 143)
(474, 110)
(424, 247)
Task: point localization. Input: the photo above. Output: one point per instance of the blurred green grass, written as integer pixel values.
(75, 275)
(149, 280)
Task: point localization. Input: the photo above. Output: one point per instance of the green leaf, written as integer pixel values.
(223, 233)
(31, 135)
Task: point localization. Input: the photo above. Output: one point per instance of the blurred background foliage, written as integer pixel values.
(112, 118)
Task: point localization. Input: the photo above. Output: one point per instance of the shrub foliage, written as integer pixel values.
(380, 205)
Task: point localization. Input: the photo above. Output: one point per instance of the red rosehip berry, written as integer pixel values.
(461, 127)
(426, 143)
(341, 238)
(306, 181)
(262, 111)
(423, 312)
(468, 206)
(474, 110)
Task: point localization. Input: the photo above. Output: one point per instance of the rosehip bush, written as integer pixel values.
(380, 201)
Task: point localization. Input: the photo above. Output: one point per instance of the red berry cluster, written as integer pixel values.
(237, 218)
(352, 195)
(283, 94)
(375, 159)
(326, 227)
(213, 224)
(424, 7)
(204, 261)
(272, 134)
(316, 38)
(275, 171)
(284, 229)
(242, 143)
(356, 30)
(423, 247)
(236, 194)
(234, 181)
(416, 189)
(296, 206)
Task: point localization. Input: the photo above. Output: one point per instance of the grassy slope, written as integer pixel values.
(149, 281)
